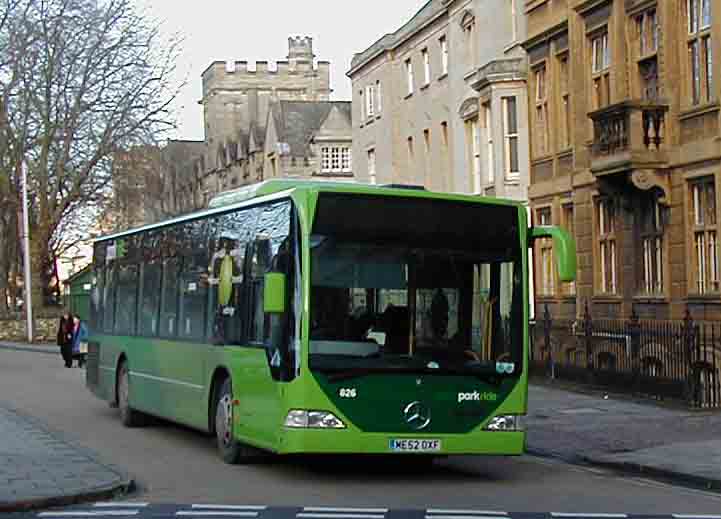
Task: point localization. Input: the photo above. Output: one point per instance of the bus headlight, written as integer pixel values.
(507, 423)
(303, 419)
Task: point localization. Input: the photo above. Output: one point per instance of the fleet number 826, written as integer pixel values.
(345, 392)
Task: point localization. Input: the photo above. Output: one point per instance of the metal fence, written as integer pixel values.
(659, 359)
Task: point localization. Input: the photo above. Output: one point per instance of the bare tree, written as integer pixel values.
(81, 80)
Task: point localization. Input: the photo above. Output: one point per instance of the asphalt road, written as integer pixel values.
(176, 465)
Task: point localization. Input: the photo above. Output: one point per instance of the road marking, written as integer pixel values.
(464, 512)
(214, 513)
(230, 507)
(608, 516)
(120, 505)
(99, 513)
(329, 515)
(473, 516)
(344, 510)
(687, 516)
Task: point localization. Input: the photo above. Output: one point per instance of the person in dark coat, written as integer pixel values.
(65, 338)
(80, 335)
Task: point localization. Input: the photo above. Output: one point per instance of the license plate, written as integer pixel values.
(414, 445)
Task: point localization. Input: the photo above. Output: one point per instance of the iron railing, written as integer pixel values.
(660, 359)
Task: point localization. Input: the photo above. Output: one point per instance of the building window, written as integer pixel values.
(426, 67)
(469, 31)
(363, 109)
(336, 159)
(379, 98)
(600, 67)
(541, 112)
(514, 21)
(370, 101)
(427, 149)
(606, 232)
(564, 134)
(647, 32)
(488, 123)
(372, 166)
(698, 14)
(409, 75)
(545, 248)
(444, 55)
(652, 245)
(569, 288)
(474, 152)
(703, 203)
(510, 138)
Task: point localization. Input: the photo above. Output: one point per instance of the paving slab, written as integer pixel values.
(676, 443)
(40, 468)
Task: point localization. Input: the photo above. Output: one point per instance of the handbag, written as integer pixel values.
(83, 347)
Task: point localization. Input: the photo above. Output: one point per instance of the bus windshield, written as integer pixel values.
(433, 301)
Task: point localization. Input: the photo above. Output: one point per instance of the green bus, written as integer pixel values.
(316, 317)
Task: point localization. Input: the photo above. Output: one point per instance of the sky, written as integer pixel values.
(217, 30)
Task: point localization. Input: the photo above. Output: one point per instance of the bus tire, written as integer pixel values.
(230, 450)
(129, 417)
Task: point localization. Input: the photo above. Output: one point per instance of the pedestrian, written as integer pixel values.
(65, 338)
(79, 341)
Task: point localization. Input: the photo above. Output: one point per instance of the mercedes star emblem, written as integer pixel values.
(417, 415)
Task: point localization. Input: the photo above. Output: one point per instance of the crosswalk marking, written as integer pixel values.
(443, 511)
(591, 515)
(86, 513)
(345, 510)
(120, 505)
(316, 515)
(229, 507)
(214, 513)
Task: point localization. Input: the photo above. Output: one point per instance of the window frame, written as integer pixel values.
(699, 44)
(606, 241)
(545, 264)
(568, 223)
(652, 281)
(490, 157)
(443, 41)
(426, 66)
(705, 263)
(600, 72)
(508, 137)
(333, 154)
(371, 160)
(410, 80)
(542, 124)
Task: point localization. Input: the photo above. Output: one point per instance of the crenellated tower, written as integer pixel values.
(237, 98)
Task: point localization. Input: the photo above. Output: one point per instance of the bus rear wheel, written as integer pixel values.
(129, 417)
(230, 450)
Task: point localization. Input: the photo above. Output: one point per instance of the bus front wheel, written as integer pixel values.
(129, 417)
(231, 450)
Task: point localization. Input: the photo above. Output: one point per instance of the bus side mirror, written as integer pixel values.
(274, 293)
(564, 249)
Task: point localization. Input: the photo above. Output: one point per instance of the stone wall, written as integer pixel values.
(14, 329)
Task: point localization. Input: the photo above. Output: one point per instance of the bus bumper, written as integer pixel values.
(346, 441)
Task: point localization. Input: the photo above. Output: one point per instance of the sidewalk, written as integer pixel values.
(24, 346)
(679, 444)
(39, 468)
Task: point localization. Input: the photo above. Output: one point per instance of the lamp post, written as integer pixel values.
(26, 255)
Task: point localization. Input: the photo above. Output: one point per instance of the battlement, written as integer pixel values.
(220, 73)
(300, 48)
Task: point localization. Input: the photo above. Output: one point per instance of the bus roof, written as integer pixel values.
(237, 197)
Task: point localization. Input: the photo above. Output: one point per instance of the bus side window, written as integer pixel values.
(260, 262)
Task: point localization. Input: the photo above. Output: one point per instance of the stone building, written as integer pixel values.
(441, 102)
(260, 122)
(626, 153)
(309, 138)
